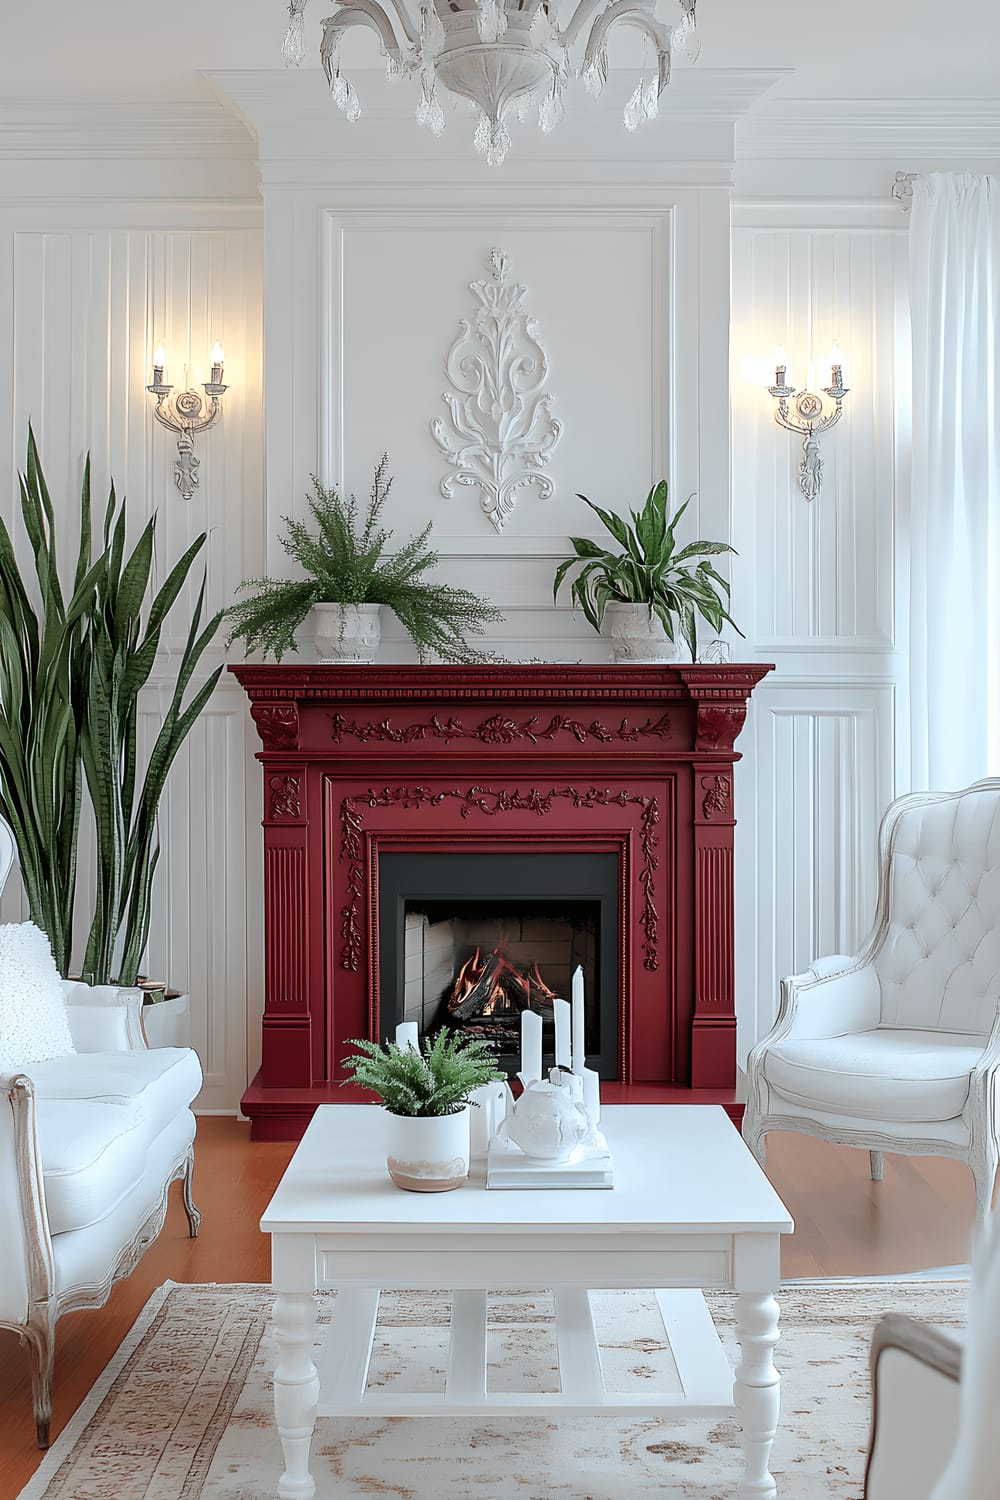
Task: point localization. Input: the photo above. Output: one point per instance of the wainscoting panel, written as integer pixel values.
(93, 289)
(823, 570)
(815, 585)
(622, 288)
(398, 290)
(824, 776)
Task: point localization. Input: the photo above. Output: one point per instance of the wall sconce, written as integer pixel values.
(186, 414)
(808, 418)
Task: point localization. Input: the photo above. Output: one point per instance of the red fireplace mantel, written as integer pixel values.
(359, 760)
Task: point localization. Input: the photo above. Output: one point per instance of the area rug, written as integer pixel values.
(183, 1412)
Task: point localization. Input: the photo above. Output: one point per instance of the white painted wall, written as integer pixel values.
(817, 581)
(112, 238)
(88, 286)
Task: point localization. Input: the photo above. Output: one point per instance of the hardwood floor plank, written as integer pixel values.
(846, 1225)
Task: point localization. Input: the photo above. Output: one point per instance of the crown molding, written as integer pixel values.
(151, 132)
(901, 130)
(698, 93)
(303, 138)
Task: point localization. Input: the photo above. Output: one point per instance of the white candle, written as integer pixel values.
(562, 1010)
(408, 1035)
(592, 1096)
(579, 1052)
(531, 1046)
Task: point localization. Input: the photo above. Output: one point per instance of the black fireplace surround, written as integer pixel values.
(575, 893)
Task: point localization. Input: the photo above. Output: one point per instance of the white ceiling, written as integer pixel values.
(118, 50)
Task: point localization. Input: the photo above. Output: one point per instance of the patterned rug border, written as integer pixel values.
(62, 1447)
(90, 1405)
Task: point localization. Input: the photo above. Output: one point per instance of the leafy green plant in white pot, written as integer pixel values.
(426, 1098)
(646, 598)
(350, 575)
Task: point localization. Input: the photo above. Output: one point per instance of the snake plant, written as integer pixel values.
(649, 570)
(70, 678)
(44, 677)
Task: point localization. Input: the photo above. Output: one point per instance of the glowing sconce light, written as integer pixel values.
(807, 415)
(187, 413)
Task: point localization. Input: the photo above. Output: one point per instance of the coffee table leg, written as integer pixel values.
(756, 1390)
(296, 1391)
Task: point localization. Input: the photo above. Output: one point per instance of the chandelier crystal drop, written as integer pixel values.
(502, 56)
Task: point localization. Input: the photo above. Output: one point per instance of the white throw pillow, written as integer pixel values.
(33, 1022)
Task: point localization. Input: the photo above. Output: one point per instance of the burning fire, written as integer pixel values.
(493, 986)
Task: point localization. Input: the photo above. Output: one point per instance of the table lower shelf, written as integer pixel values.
(704, 1373)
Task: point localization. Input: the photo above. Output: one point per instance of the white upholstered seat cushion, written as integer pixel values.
(886, 1073)
(92, 1155)
(153, 1086)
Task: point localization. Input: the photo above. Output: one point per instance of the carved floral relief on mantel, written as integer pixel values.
(277, 725)
(285, 797)
(500, 431)
(493, 802)
(497, 729)
(718, 796)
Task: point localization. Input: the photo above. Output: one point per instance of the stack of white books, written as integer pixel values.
(590, 1166)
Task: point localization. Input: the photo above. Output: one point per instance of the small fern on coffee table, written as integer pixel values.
(436, 1081)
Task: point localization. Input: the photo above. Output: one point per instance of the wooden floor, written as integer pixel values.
(846, 1225)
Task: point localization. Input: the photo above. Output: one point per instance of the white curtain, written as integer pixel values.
(954, 522)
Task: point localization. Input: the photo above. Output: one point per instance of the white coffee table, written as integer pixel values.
(690, 1210)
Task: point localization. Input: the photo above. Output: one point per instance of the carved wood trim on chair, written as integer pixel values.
(45, 1305)
(923, 1342)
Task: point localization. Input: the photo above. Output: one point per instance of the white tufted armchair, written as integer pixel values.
(898, 1048)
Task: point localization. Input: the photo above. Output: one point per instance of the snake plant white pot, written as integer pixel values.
(637, 635)
(428, 1153)
(167, 1023)
(346, 633)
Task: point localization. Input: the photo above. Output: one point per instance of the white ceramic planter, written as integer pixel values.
(638, 636)
(346, 633)
(428, 1153)
(168, 1022)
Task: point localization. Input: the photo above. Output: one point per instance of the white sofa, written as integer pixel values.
(89, 1145)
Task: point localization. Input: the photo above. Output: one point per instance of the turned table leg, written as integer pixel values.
(296, 1391)
(756, 1391)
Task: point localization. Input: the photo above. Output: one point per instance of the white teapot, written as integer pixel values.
(546, 1122)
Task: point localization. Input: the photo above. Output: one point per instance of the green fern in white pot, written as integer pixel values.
(426, 1097)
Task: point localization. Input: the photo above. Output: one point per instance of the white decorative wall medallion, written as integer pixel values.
(500, 431)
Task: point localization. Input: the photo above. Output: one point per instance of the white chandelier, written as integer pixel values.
(500, 55)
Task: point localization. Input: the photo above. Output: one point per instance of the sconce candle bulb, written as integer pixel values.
(159, 360)
(836, 368)
(218, 361)
(780, 367)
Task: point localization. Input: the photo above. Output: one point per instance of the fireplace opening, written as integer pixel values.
(472, 940)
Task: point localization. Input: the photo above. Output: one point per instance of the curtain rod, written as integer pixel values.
(902, 189)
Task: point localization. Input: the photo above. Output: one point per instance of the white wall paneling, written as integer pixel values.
(818, 775)
(622, 292)
(88, 289)
(815, 584)
(624, 250)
